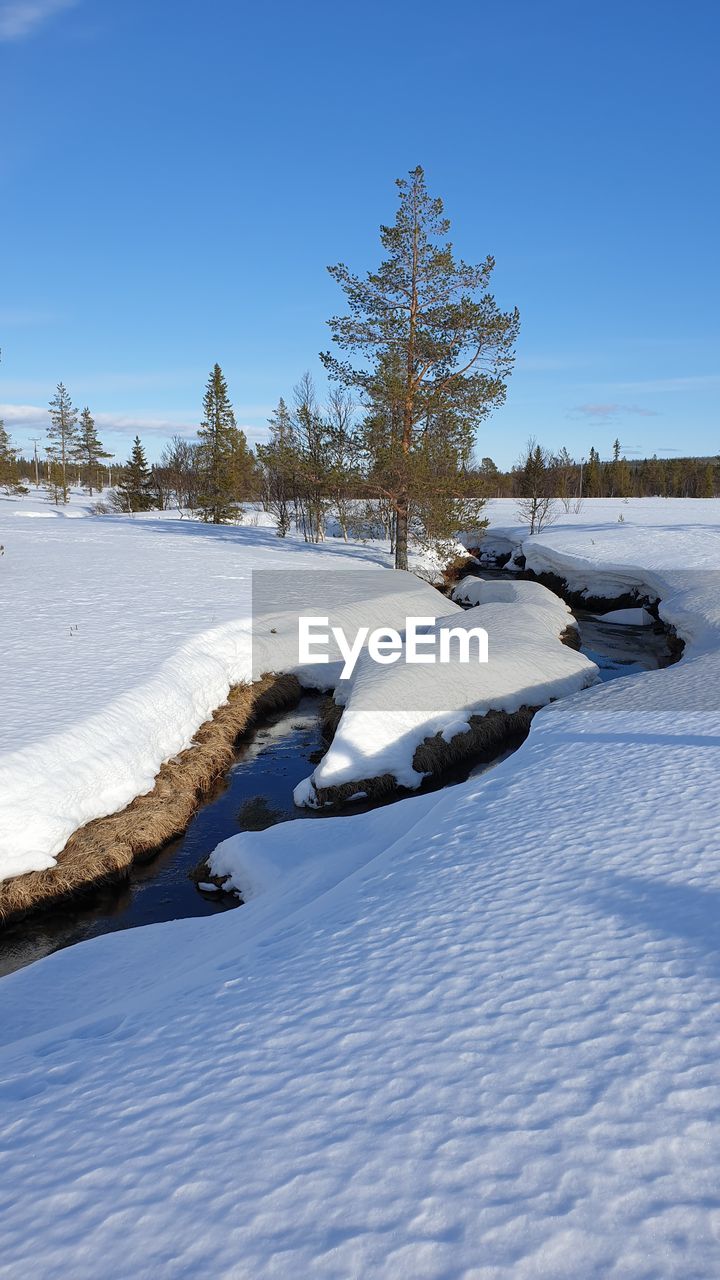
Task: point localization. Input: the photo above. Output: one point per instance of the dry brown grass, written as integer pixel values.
(486, 737)
(104, 850)
(330, 717)
(455, 569)
(571, 637)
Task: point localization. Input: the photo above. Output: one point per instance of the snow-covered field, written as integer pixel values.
(471, 1035)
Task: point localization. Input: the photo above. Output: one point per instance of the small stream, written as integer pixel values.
(257, 793)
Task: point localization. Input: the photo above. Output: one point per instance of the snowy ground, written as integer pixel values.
(474, 1034)
(120, 636)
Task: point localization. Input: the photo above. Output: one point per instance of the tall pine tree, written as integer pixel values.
(62, 434)
(435, 337)
(89, 450)
(222, 454)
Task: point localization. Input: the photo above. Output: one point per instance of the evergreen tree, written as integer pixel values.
(278, 465)
(655, 476)
(135, 488)
(221, 446)
(491, 478)
(619, 473)
(593, 475)
(53, 482)
(621, 478)
(241, 469)
(89, 449)
(440, 351)
(62, 434)
(536, 481)
(9, 474)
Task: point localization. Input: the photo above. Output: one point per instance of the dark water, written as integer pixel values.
(621, 650)
(257, 793)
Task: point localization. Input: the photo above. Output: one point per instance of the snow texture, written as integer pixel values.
(473, 1034)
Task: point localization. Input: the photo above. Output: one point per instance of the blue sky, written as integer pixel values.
(176, 177)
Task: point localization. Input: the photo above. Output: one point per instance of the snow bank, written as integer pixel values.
(390, 710)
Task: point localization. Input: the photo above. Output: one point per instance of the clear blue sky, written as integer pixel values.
(176, 177)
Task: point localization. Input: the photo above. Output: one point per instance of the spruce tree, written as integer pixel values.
(135, 488)
(439, 348)
(219, 450)
(89, 449)
(62, 434)
(593, 475)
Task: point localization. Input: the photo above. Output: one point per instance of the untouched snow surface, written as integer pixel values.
(474, 1034)
(390, 710)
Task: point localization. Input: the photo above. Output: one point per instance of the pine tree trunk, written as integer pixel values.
(401, 534)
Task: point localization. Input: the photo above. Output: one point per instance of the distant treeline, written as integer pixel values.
(616, 477)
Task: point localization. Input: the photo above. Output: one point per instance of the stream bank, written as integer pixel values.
(256, 791)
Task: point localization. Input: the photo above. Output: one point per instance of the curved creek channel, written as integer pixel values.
(256, 793)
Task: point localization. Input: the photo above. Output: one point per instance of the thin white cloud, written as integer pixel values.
(27, 417)
(21, 18)
(32, 420)
(162, 429)
(603, 412)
